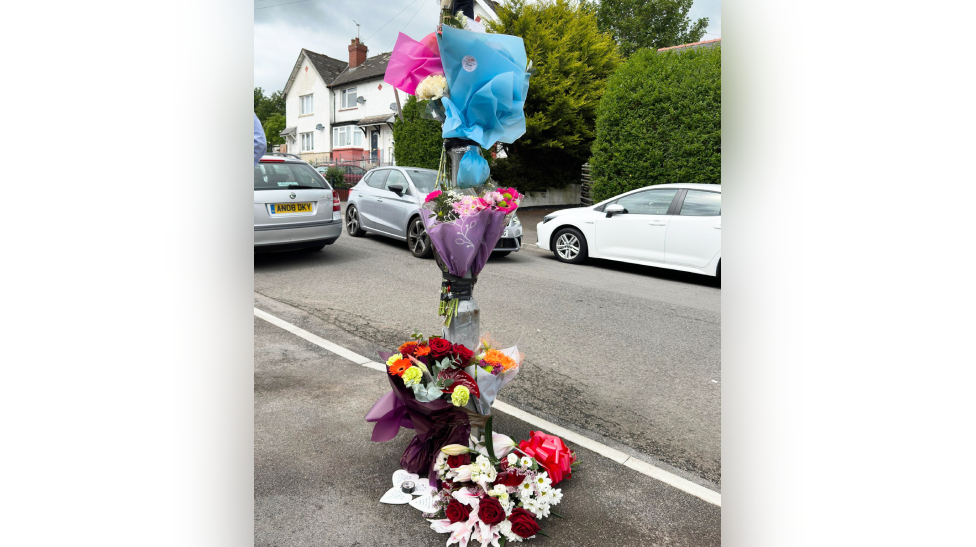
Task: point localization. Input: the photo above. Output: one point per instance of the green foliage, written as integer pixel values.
(572, 60)
(273, 128)
(417, 141)
(659, 122)
(266, 107)
(637, 24)
(336, 177)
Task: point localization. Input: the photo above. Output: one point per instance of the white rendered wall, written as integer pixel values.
(309, 81)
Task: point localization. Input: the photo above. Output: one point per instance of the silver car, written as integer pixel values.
(388, 202)
(294, 207)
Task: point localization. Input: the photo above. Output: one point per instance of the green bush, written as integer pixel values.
(417, 141)
(336, 177)
(660, 121)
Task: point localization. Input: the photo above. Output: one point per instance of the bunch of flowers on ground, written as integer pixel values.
(494, 492)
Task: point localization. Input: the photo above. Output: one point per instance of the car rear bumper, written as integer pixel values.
(320, 231)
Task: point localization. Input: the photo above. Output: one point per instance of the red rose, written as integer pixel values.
(462, 354)
(490, 511)
(523, 523)
(457, 511)
(457, 461)
(439, 348)
(509, 478)
(551, 453)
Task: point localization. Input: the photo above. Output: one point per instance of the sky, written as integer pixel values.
(283, 27)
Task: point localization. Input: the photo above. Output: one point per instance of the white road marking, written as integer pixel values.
(612, 453)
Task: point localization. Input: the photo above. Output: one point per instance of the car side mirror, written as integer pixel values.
(397, 189)
(615, 209)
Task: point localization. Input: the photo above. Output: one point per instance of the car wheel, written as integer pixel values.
(417, 240)
(569, 246)
(353, 227)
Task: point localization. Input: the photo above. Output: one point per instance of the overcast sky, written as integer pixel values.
(283, 27)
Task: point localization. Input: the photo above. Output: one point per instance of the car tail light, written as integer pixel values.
(335, 201)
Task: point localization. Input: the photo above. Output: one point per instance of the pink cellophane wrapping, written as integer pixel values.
(411, 62)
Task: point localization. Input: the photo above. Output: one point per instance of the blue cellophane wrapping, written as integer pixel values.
(473, 169)
(488, 85)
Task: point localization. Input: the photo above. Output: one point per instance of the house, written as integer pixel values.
(338, 110)
(695, 45)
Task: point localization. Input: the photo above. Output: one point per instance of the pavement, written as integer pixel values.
(318, 478)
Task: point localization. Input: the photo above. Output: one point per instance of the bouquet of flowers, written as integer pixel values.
(497, 492)
(440, 390)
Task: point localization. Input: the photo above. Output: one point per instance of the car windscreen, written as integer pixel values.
(423, 180)
(281, 176)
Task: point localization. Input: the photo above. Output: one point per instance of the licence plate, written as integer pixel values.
(290, 208)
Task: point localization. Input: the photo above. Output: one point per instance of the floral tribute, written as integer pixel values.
(438, 389)
(495, 492)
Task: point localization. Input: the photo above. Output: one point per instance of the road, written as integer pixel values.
(626, 355)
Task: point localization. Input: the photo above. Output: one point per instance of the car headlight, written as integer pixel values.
(547, 218)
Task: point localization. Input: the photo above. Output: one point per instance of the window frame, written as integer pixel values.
(676, 207)
(344, 98)
(678, 192)
(310, 136)
(301, 105)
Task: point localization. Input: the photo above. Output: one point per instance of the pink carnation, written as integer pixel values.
(433, 195)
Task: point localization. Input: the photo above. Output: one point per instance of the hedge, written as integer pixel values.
(417, 141)
(660, 121)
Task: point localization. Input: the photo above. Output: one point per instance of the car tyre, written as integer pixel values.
(353, 227)
(417, 240)
(569, 245)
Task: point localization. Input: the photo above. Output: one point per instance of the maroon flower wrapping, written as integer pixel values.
(437, 423)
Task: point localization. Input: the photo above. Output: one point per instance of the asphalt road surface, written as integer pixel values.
(627, 355)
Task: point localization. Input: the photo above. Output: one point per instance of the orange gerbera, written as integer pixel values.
(407, 348)
(421, 351)
(496, 358)
(399, 367)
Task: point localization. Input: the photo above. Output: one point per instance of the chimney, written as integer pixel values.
(357, 53)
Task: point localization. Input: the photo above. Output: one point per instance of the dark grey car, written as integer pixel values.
(388, 202)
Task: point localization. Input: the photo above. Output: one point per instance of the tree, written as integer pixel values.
(653, 24)
(266, 107)
(660, 121)
(573, 60)
(273, 128)
(417, 141)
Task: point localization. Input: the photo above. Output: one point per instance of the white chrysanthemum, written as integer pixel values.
(525, 489)
(542, 480)
(432, 87)
(526, 461)
(555, 496)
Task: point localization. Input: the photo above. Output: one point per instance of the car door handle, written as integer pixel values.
(657, 224)
(718, 227)
(379, 200)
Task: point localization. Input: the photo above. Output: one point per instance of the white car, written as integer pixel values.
(294, 207)
(675, 226)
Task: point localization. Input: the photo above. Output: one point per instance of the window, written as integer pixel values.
(347, 135)
(278, 176)
(305, 104)
(702, 204)
(396, 179)
(423, 180)
(348, 99)
(307, 142)
(648, 202)
(378, 178)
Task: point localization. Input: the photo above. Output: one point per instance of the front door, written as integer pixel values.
(695, 232)
(374, 144)
(638, 233)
